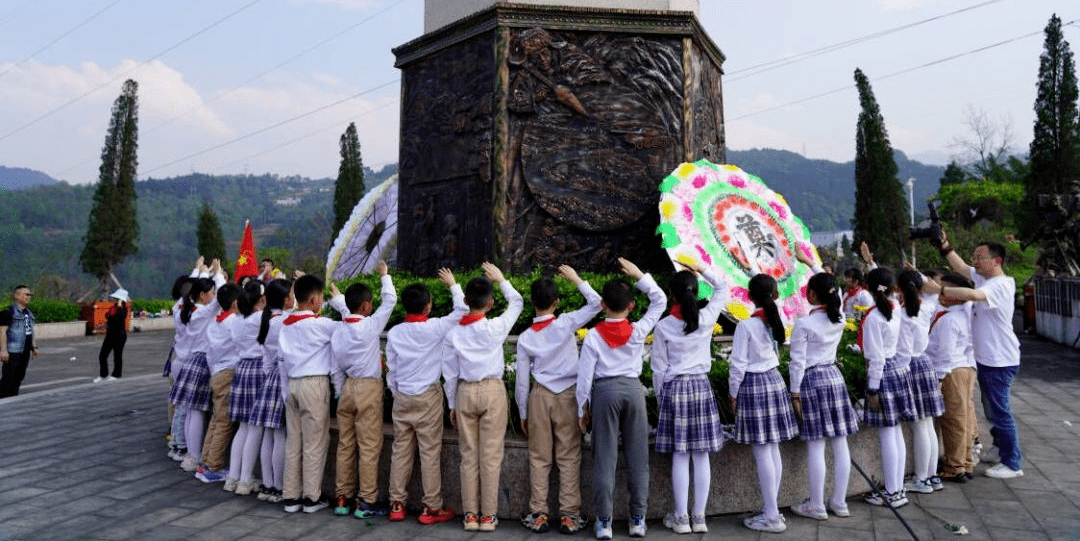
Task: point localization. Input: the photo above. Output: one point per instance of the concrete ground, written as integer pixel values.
(87, 461)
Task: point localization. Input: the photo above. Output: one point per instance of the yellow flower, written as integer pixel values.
(859, 308)
(849, 324)
(717, 328)
(684, 170)
(688, 260)
(667, 208)
(649, 339)
(581, 334)
(738, 310)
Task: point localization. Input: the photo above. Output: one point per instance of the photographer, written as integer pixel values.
(997, 350)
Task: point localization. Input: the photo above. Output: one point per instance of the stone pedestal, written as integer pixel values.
(537, 135)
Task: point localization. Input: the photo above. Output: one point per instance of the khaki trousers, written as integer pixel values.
(481, 424)
(553, 422)
(359, 416)
(958, 421)
(418, 423)
(219, 432)
(307, 409)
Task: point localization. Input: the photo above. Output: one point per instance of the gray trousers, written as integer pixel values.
(618, 408)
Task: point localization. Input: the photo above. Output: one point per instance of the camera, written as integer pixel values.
(933, 232)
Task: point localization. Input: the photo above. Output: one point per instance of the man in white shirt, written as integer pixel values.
(997, 350)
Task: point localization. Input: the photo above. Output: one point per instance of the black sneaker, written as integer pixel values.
(291, 505)
(969, 476)
(958, 478)
(311, 506)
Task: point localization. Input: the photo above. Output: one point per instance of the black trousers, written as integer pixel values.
(13, 372)
(115, 344)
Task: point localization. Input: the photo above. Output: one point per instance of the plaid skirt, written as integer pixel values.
(269, 408)
(192, 386)
(826, 406)
(246, 384)
(689, 418)
(897, 397)
(763, 411)
(926, 389)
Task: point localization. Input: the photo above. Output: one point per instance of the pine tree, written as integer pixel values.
(211, 241)
(112, 230)
(954, 174)
(350, 182)
(881, 210)
(1055, 148)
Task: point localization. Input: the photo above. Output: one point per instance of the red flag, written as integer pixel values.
(247, 263)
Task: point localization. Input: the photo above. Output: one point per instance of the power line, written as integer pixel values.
(781, 62)
(62, 36)
(272, 126)
(122, 75)
(278, 65)
(895, 73)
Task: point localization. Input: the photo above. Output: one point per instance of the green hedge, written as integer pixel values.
(152, 306)
(54, 311)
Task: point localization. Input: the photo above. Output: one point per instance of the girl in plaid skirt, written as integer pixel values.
(763, 414)
(246, 385)
(689, 426)
(820, 399)
(888, 397)
(926, 391)
(269, 409)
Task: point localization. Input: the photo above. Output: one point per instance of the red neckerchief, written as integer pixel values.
(354, 319)
(851, 293)
(470, 319)
(223, 316)
(615, 333)
(676, 311)
(866, 316)
(541, 325)
(817, 309)
(759, 313)
(937, 316)
(415, 318)
(295, 317)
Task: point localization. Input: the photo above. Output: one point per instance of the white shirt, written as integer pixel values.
(880, 337)
(355, 344)
(814, 340)
(474, 352)
(950, 341)
(550, 355)
(194, 333)
(598, 360)
(861, 298)
(914, 332)
(305, 343)
(753, 350)
(272, 350)
(992, 333)
(246, 335)
(222, 347)
(674, 352)
(412, 348)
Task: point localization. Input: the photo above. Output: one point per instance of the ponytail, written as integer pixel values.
(276, 293)
(881, 283)
(195, 288)
(910, 283)
(823, 285)
(762, 290)
(253, 290)
(684, 289)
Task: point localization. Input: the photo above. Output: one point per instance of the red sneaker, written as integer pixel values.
(397, 512)
(434, 516)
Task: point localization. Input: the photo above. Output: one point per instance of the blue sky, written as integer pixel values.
(206, 83)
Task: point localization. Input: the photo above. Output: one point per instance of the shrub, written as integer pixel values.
(152, 306)
(54, 311)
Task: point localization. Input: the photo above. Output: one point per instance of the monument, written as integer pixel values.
(536, 134)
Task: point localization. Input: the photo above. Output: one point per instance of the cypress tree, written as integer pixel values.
(113, 230)
(954, 174)
(211, 241)
(349, 187)
(881, 209)
(1054, 151)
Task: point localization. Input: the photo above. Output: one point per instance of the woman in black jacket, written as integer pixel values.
(115, 337)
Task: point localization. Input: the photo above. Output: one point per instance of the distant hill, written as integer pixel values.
(822, 192)
(19, 178)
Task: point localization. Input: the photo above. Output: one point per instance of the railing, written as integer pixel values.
(1057, 309)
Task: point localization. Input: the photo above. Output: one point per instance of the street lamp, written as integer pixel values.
(910, 185)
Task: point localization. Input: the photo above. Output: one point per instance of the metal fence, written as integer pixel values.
(1057, 309)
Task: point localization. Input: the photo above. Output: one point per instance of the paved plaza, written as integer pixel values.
(87, 461)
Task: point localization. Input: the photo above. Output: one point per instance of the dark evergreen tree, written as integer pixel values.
(954, 174)
(1055, 147)
(112, 230)
(350, 181)
(881, 209)
(211, 241)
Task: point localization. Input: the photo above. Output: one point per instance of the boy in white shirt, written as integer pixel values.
(608, 385)
(548, 353)
(222, 358)
(305, 349)
(412, 376)
(357, 372)
(473, 365)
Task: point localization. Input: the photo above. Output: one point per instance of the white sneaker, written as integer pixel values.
(976, 452)
(761, 524)
(697, 524)
(111, 378)
(677, 523)
(1001, 471)
(99, 379)
(230, 484)
(637, 526)
(804, 509)
(922, 487)
(840, 510)
(189, 463)
(602, 528)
